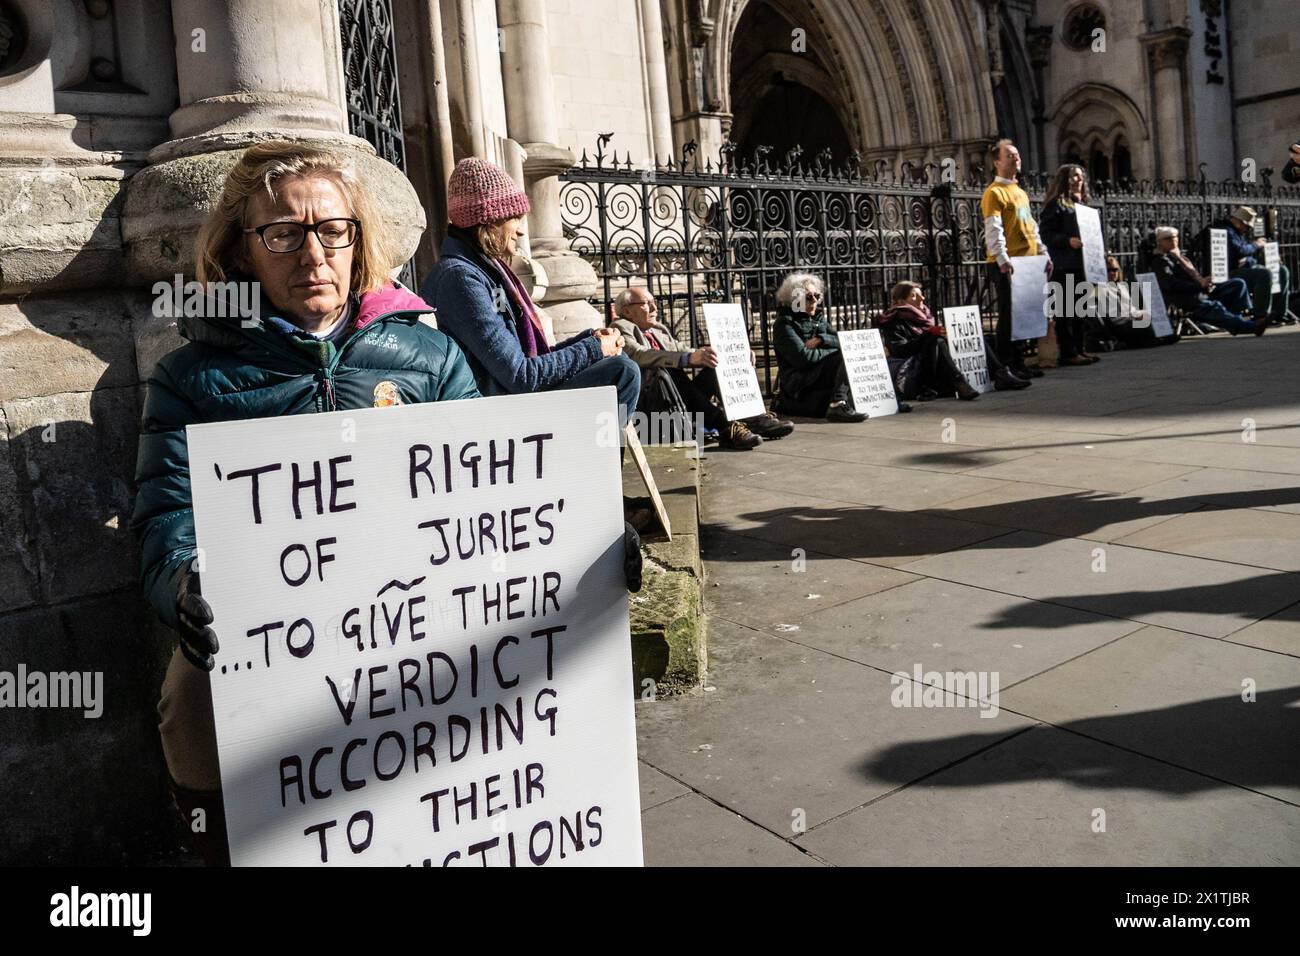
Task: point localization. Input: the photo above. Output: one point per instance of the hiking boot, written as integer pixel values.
(966, 392)
(843, 413)
(739, 437)
(768, 426)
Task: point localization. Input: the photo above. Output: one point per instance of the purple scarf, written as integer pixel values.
(920, 318)
(528, 325)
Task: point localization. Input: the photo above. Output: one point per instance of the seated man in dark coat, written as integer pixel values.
(664, 361)
(812, 380)
(1246, 262)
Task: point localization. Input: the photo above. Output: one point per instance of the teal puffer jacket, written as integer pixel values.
(228, 372)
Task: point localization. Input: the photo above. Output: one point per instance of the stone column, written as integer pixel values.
(656, 77)
(1167, 50)
(531, 120)
(1039, 41)
(247, 72)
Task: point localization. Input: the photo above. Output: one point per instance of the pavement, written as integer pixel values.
(1055, 626)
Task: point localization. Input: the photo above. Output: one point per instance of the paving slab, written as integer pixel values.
(656, 787)
(846, 530)
(925, 456)
(1279, 633)
(1065, 512)
(1231, 488)
(1245, 456)
(1190, 594)
(1231, 432)
(1082, 471)
(691, 831)
(759, 584)
(899, 489)
(1179, 698)
(1033, 800)
(786, 728)
(944, 626)
(1242, 536)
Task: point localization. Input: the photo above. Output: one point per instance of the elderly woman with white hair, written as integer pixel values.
(812, 380)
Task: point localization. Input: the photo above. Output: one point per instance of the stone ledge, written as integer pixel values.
(669, 629)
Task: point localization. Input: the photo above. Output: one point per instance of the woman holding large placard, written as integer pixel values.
(297, 232)
(1060, 231)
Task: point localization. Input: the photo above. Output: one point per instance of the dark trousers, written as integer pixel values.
(1069, 329)
(1223, 306)
(1006, 351)
(825, 382)
(695, 394)
(938, 371)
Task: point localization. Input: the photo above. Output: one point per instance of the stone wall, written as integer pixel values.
(599, 76)
(1265, 59)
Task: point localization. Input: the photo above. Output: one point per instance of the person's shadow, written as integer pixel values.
(1228, 742)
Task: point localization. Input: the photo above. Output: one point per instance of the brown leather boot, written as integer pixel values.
(739, 436)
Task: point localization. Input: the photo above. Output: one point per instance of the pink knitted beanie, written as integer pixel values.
(479, 193)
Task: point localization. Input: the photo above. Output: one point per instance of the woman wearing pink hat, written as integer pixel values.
(483, 306)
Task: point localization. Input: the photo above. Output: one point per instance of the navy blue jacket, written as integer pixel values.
(1242, 251)
(475, 309)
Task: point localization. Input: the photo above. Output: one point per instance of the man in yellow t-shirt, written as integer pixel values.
(1009, 231)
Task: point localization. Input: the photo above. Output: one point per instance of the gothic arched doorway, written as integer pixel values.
(782, 90)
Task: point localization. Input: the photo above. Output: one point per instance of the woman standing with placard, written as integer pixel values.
(1060, 231)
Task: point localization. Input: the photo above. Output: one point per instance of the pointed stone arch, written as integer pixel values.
(1099, 116)
(908, 81)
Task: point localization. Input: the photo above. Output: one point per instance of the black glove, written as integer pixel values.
(631, 557)
(193, 617)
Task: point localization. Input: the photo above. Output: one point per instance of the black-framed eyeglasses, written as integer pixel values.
(289, 236)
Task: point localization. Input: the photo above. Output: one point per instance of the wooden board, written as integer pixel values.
(643, 466)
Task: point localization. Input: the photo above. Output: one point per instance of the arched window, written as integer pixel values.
(1122, 161)
(1098, 163)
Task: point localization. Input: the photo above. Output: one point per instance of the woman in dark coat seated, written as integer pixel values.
(923, 366)
(811, 379)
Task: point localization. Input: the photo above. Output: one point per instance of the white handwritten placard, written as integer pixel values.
(425, 656)
(868, 371)
(1094, 246)
(737, 381)
(1218, 255)
(1273, 260)
(1154, 302)
(966, 343)
(1028, 297)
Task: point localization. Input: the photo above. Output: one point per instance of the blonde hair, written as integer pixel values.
(902, 290)
(797, 280)
(218, 250)
(492, 239)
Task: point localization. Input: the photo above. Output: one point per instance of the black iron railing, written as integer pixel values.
(731, 230)
(370, 76)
